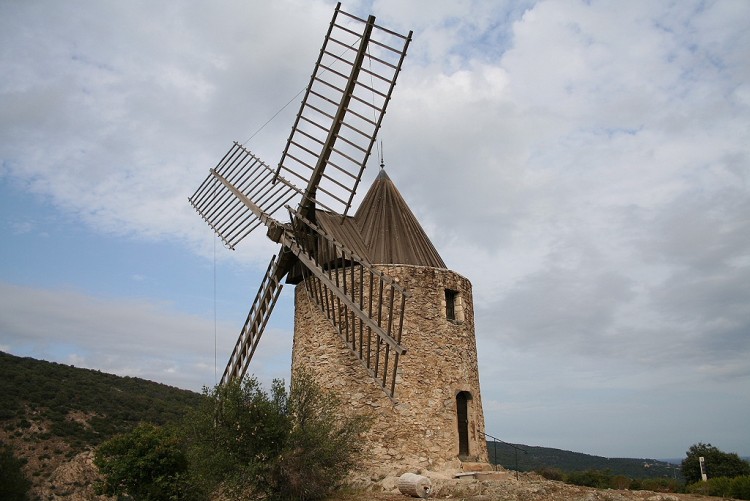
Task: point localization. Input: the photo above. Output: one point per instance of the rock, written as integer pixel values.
(73, 480)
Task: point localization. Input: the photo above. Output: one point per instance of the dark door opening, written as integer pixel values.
(462, 413)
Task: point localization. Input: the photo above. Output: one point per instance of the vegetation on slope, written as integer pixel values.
(13, 483)
(539, 458)
(52, 412)
(728, 473)
(80, 405)
(243, 443)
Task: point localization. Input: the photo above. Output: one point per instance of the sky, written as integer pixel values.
(586, 164)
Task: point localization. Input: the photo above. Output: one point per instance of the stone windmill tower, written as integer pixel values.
(379, 318)
(435, 419)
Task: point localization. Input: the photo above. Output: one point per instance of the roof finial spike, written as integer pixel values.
(382, 162)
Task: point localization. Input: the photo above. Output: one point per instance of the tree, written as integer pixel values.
(234, 435)
(283, 445)
(718, 463)
(323, 444)
(147, 463)
(14, 485)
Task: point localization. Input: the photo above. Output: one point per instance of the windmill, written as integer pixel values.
(317, 176)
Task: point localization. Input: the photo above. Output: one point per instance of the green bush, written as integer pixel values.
(551, 473)
(740, 487)
(718, 463)
(14, 486)
(604, 479)
(737, 487)
(322, 447)
(660, 485)
(234, 434)
(147, 463)
(283, 445)
(590, 478)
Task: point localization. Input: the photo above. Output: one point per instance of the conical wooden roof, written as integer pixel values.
(383, 231)
(389, 229)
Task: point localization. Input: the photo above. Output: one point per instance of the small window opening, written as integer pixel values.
(450, 304)
(453, 305)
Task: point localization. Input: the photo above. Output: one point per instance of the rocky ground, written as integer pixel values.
(505, 487)
(73, 481)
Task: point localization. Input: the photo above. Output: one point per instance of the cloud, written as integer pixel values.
(118, 123)
(584, 164)
(126, 337)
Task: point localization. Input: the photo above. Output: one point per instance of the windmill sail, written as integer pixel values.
(265, 300)
(342, 110)
(219, 199)
(320, 167)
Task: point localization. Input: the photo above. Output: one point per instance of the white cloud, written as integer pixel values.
(126, 337)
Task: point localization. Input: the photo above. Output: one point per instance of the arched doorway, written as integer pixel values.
(462, 416)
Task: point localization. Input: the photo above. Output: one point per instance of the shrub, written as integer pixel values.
(283, 445)
(234, 434)
(322, 447)
(14, 485)
(619, 482)
(147, 463)
(661, 485)
(718, 463)
(736, 488)
(740, 488)
(551, 473)
(590, 478)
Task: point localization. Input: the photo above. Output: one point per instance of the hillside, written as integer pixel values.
(52, 413)
(536, 458)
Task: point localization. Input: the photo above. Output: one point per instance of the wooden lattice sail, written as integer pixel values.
(320, 169)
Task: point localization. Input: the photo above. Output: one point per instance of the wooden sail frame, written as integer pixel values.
(326, 153)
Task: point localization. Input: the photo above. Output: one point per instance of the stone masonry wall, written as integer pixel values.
(419, 429)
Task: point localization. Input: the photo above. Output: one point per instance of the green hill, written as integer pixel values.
(537, 458)
(82, 405)
(51, 412)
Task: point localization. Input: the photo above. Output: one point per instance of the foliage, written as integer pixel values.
(235, 433)
(286, 445)
(741, 487)
(736, 488)
(551, 473)
(36, 390)
(730, 465)
(323, 444)
(14, 485)
(658, 485)
(717, 462)
(147, 463)
(605, 479)
(590, 478)
(532, 458)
